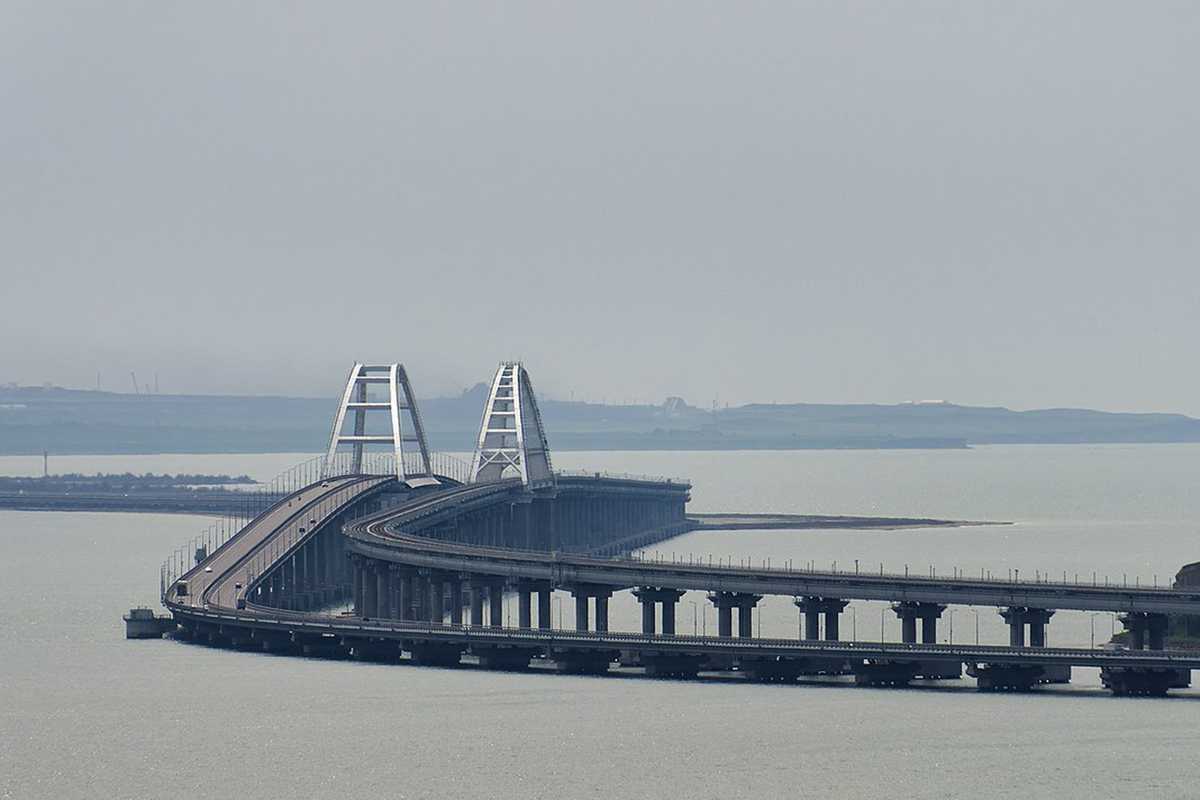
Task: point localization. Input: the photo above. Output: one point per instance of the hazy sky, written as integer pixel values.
(992, 203)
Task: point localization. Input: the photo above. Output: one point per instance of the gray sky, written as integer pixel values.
(992, 203)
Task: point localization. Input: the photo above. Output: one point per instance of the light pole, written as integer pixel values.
(951, 612)
(1093, 615)
(694, 614)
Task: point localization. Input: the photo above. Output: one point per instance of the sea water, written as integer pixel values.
(86, 714)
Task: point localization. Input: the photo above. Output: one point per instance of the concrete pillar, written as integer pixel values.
(833, 614)
(668, 613)
(812, 625)
(746, 620)
(359, 608)
(370, 593)
(406, 597)
(929, 630)
(383, 592)
(1037, 619)
(909, 612)
(1136, 623)
(544, 609)
(1156, 631)
(496, 605)
(602, 613)
(476, 603)
(581, 612)
(725, 620)
(524, 608)
(437, 600)
(1015, 618)
(648, 612)
(456, 601)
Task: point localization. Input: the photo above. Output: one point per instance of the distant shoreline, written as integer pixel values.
(804, 522)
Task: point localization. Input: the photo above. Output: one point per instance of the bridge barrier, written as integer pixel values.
(262, 496)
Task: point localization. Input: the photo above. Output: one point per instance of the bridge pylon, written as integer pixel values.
(512, 440)
(401, 407)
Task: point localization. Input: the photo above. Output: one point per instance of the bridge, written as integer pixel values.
(409, 555)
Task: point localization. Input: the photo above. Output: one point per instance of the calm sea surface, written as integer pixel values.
(86, 714)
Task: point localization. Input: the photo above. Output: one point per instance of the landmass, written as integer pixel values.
(37, 419)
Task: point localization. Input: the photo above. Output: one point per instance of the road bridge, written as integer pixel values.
(424, 562)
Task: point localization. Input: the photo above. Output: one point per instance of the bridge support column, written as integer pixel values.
(1018, 617)
(1015, 618)
(524, 608)
(649, 625)
(359, 608)
(477, 602)
(725, 603)
(383, 591)
(666, 600)
(602, 613)
(496, 604)
(1146, 630)
(581, 612)
(1037, 619)
(456, 601)
(909, 612)
(816, 607)
(405, 581)
(437, 600)
(584, 592)
(370, 592)
(544, 609)
(746, 615)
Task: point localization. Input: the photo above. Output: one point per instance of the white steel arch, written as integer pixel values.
(400, 404)
(512, 440)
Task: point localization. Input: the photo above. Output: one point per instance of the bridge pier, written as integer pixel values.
(544, 608)
(383, 592)
(725, 603)
(524, 608)
(1147, 631)
(477, 589)
(456, 600)
(581, 593)
(496, 603)
(909, 612)
(437, 599)
(1018, 617)
(402, 581)
(816, 607)
(651, 598)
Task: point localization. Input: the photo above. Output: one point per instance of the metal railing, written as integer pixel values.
(260, 497)
(620, 476)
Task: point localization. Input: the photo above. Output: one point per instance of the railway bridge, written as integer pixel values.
(412, 562)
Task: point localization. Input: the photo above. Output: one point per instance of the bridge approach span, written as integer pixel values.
(411, 535)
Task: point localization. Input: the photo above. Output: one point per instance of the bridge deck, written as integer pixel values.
(391, 536)
(225, 577)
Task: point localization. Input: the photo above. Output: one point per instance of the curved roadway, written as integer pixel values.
(392, 535)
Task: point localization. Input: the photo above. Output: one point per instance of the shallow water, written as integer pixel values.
(84, 713)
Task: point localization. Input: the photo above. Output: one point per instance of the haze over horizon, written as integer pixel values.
(763, 203)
